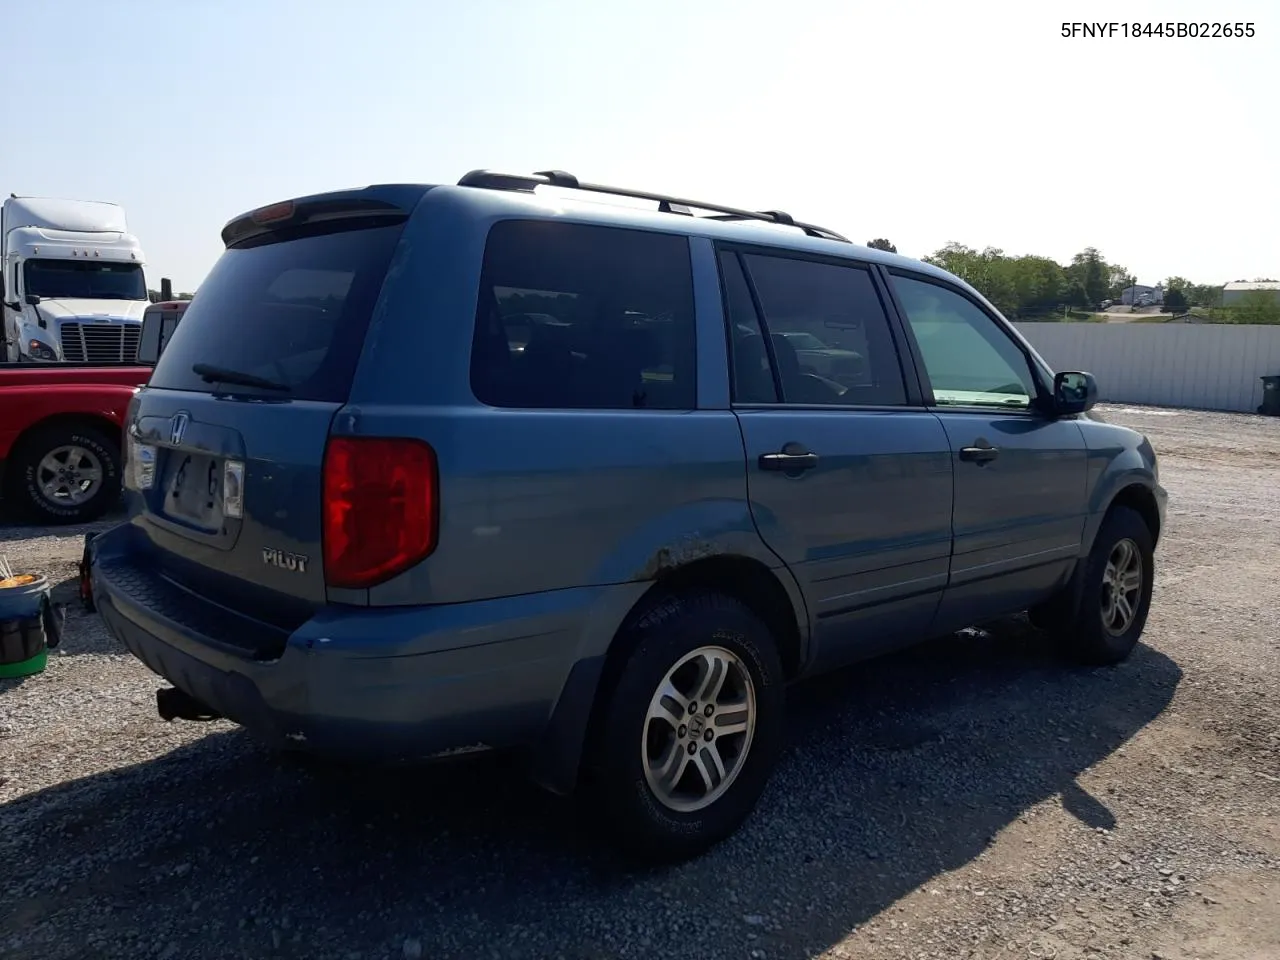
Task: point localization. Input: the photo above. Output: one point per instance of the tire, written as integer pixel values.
(624, 801)
(79, 446)
(1091, 630)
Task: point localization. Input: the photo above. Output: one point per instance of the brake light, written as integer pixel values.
(381, 506)
(273, 213)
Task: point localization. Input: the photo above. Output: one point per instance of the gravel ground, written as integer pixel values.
(971, 798)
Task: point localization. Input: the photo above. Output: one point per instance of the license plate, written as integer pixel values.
(193, 489)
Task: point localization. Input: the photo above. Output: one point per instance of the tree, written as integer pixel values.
(1030, 286)
(1018, 286)
(1175, 301)
(880, 243)
(154, 296)
(1120, 280)
(1256, 306)
(1038, 284)
(1074, 294)
(1203, 294)
(1092, 272)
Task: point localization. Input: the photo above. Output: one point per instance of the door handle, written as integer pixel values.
(789, 461)
(982, 452)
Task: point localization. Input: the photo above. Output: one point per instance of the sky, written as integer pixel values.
(922, 122)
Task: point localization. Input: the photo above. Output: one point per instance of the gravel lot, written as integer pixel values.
(972, 798)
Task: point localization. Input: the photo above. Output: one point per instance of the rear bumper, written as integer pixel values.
(375, 683)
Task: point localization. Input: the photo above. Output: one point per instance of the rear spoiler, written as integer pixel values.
(158, 323)
(373, 205)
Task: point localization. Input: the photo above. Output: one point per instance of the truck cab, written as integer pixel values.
(72, 281)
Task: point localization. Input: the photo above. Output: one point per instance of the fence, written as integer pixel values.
(1198, 366)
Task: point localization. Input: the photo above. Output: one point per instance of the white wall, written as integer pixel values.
(1198, 366)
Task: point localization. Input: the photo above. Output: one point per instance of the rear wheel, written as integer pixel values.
(1114, 593)
(690, 728)
(65, 474)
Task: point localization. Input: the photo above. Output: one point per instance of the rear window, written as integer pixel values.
(293, 311)
(584, 317)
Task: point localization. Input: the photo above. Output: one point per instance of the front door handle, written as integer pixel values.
(793, 458)
(981, 452)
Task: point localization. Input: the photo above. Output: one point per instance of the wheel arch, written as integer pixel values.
(69, 421)
(757, 587)
(1133, 492)
(771, 594)
(1142, 500)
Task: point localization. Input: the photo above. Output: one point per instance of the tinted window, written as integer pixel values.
(969, 359)
(828, 330)
(577, 316)
(752, 376)
(294, 312)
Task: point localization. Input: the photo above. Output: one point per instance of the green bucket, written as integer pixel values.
(25, 668)
(30, 625)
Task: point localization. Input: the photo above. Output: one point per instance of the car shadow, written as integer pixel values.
(898, 771)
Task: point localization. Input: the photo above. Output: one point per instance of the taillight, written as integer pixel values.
(380, 508)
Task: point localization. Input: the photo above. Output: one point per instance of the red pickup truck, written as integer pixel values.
(61, 426)
(60, 434)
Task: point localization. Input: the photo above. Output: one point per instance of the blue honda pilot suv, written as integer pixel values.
(435, 469)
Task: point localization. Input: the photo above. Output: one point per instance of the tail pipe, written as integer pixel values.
(174, 704)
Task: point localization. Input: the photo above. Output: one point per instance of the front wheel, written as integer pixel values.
(1114, 593)
(690, 729)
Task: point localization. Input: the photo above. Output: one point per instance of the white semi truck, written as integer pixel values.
(71, 281)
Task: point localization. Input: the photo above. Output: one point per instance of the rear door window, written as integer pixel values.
(828, 333)
(586, 317)
(291, 309)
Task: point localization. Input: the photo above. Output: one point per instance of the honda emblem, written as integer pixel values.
(178, 428)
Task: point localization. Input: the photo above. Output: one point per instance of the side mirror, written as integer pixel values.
(32, 299)
(1074, 392)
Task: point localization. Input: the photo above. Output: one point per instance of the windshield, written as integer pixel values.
(85, 280)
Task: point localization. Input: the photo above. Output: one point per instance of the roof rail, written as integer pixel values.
(526, 182)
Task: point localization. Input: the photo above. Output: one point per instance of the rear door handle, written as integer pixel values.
(980, 453)
(789, 460)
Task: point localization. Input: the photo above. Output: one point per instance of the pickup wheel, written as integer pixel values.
(689, 730)
(64, 474)
(1114, 593)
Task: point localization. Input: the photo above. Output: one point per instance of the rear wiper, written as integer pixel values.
(211, 374)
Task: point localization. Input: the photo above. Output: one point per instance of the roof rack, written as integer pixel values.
(524, 182)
